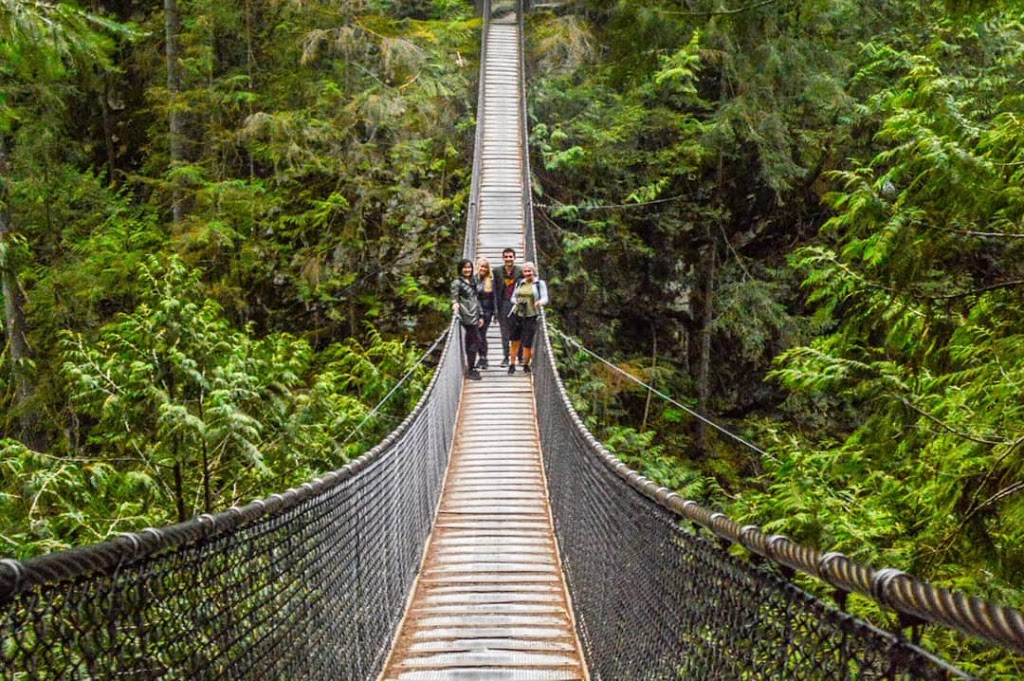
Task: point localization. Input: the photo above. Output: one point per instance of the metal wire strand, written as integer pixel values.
(700, 417)
(395, 387)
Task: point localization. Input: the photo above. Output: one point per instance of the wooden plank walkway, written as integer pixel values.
(490, 602)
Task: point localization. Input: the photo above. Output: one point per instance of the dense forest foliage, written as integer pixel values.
(803, 219)
(223, 236)
(225, 228)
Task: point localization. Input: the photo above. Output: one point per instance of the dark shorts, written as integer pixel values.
(523, 329)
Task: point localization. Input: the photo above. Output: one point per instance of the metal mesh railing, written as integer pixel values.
(309, 584)
(656, 601)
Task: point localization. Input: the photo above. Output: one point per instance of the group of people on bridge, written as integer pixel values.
(513, 294)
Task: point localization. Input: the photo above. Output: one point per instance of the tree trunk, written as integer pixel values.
(654, 363)
(172, 27)
(706, 283)
(179, 490)
(250, 60)
(108, 131)
(704, 346)
(15, 324)
(207, 492)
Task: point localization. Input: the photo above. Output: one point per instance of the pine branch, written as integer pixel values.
(948, 428)
(722, 12)
(978, 291)
(947, 543)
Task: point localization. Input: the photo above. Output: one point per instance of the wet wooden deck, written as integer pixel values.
(490, 602)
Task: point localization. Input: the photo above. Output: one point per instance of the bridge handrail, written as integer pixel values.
(657, 598)
(915, 600)
(17, 577)
(310, 583)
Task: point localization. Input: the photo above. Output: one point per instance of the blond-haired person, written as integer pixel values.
(488, 294)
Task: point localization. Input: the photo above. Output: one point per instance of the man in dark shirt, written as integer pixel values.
(505, 279)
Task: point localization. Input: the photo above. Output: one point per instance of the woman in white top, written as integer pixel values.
(530, 295)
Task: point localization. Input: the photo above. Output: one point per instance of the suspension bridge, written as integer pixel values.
(489, 536)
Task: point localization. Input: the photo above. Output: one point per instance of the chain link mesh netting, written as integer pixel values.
(309, 584)
(656, 601)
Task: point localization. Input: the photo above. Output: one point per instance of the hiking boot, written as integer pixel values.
(512, 369)
(482, 364)
(473, 375)
(504, 362)
(526, 368)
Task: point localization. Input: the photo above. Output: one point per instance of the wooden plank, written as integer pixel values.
(490, 602)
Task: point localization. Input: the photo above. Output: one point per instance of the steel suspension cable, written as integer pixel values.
(697, 415)
(394, 389)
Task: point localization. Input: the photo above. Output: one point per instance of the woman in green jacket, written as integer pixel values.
(466, 304)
